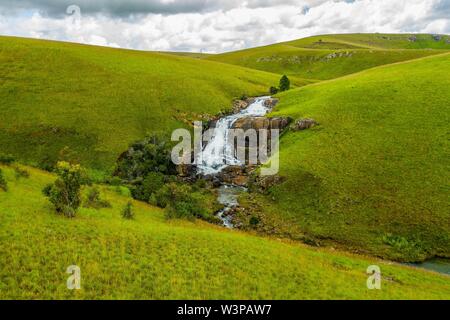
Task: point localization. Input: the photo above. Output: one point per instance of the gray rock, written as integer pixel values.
(304, 124)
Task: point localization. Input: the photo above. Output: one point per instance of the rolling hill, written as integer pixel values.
(374, 174)
(97, 100)
(372, 178)
(151, 258)
(332, 56)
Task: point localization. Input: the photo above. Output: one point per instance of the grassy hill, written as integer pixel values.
(374, 174)
(97, 100)
(151, 258)
(332, 56)
(374, 41)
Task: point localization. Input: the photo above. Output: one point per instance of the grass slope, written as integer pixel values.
(97, 100)
(327, 57)
(374, 174)
(374, 41)
(150, 258)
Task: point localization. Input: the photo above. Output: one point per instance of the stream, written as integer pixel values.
(440, 265)
(218, 154)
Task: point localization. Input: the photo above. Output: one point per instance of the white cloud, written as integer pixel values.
(234, 26)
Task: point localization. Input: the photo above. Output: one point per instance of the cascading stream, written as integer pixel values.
(218, 154)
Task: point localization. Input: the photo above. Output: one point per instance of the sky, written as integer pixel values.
(214, 26)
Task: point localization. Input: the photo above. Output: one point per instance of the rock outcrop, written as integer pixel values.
(258, 123)
(304, 124)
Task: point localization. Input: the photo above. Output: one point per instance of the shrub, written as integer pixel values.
(128, 212)
(273, 90)
(3, 183)
(114, 181)
(123, 191)
(21, 173)
(65, 192)
(285, 83)
(408, 247)
(6, 159)
(152, 154)
(181, 202)
(254, 221)
(94, 201)
(145, 167)
(151, 184)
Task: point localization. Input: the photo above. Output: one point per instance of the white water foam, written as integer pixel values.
(218, 153)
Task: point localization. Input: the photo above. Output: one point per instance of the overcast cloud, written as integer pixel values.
(214, 26)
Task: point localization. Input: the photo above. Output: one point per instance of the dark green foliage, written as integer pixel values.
(3, 183)
(128, 211)
(114, 181)
(273, 90)
(151, 184)
(254, 221)
(243, 97)
(21, 173)
(6, 159)
(285, 83)
(412, 248)
(146, 166)
(65, 192)
(181, 202)
(94, 200)
(149, 155)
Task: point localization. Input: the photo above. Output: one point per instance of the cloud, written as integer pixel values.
(127, 7)
(218, 26)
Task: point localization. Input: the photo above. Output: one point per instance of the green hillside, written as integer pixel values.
(97, 100)
(374, 41)
(150, 258)
(374, 174)
(327, 57)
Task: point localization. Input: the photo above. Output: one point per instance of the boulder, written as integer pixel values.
(264, 183)
(239, 105)
(270, 103)
(412, 39)
(437, 37)
(258, 123)
(304, 124)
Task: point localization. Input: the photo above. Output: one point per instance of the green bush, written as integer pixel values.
(6, 159)
(412, 249)
(128, 211)
(146, 166)
(65, 192)
(152, 183)
(273, 90)
(3, 183)
(285, 83)
(21, 173)
(94, 200)
(181, 201)
(152, 154)
(254, 221)
(123, 191)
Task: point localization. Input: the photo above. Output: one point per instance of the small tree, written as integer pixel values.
(273, 90)
(128, 212)
(3, 184)
(285, 83)
(94, 200)
(65, 192)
